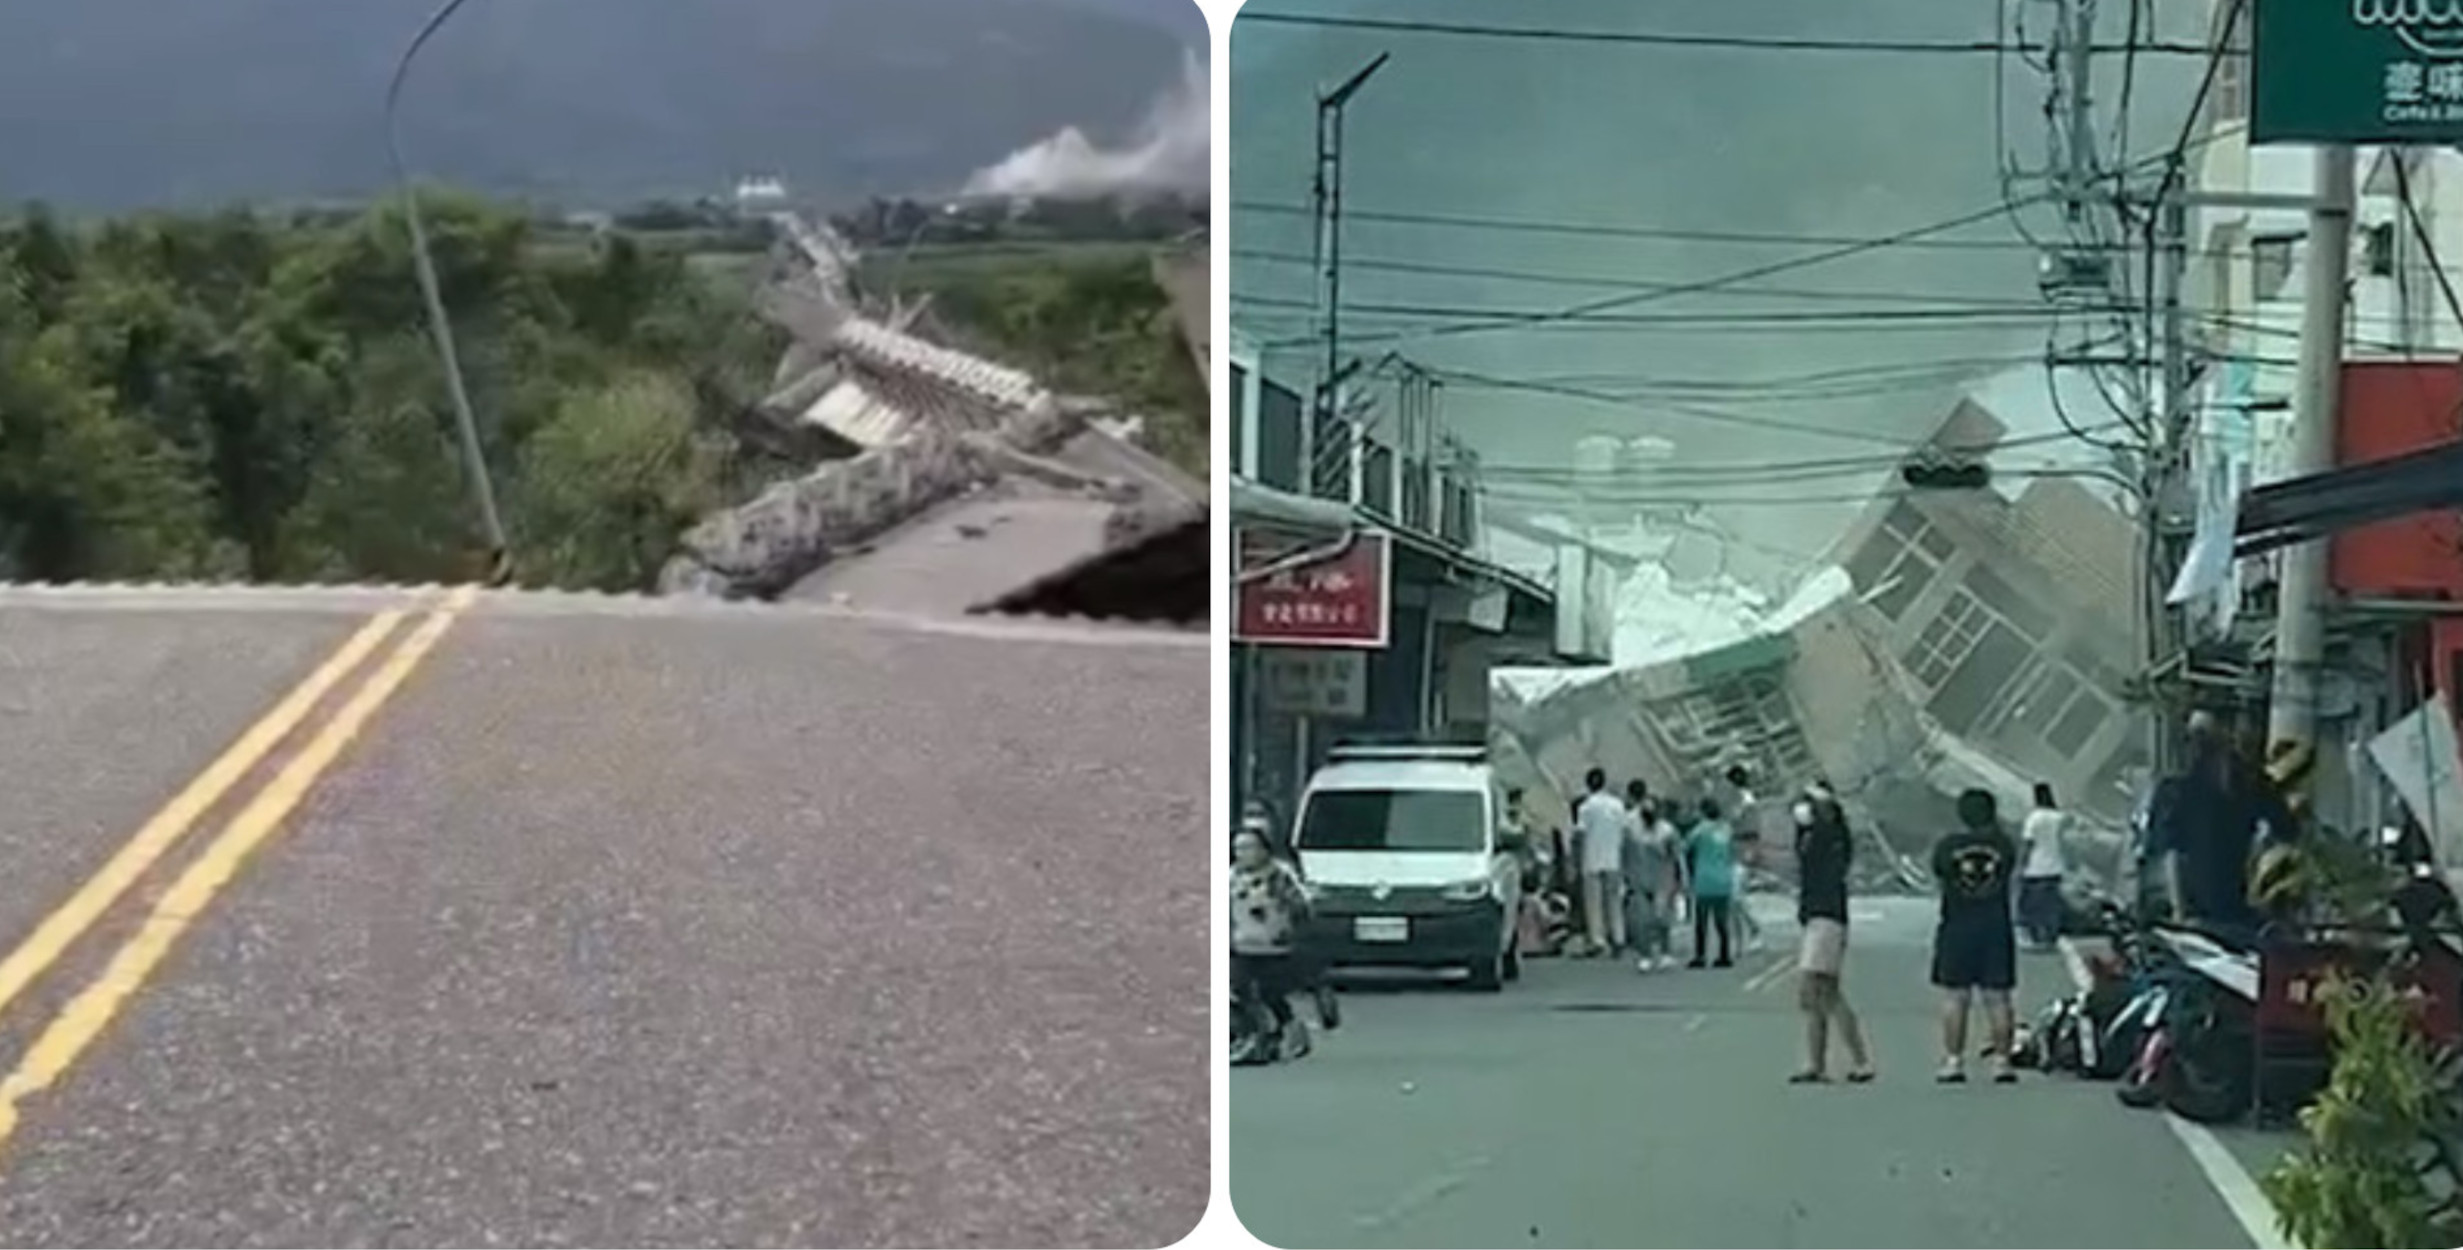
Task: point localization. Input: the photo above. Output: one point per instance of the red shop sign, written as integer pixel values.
(1337, 600)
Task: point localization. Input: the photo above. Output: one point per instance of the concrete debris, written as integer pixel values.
(925, 425)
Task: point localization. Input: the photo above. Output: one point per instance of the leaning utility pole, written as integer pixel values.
(2168, 461)
(1328, 203)
(2300, 615)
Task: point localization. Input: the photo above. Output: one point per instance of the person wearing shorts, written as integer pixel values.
(1824, 851)
(1975, 945)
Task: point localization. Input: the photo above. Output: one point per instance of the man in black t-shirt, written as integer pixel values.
(1975, 947)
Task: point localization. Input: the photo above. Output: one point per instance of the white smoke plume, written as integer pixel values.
(1169, 152)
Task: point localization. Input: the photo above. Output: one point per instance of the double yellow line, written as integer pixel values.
(85, 1017)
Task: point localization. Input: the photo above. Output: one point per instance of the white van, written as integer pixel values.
(1406, 851)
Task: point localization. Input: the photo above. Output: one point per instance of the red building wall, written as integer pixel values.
(2389, 408)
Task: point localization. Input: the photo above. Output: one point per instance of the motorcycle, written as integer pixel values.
(2186, 1038)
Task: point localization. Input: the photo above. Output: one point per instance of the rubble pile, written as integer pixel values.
(917, 424)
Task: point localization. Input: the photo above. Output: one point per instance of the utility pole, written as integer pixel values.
(2074, 50)
(2169, 461)
(440, 326)
(1328, 203)
(2300, 616)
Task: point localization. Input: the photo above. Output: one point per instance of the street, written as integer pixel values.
(1590, 1105)
(616, 922)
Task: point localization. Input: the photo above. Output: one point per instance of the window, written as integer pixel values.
(1394, 820)
(2071, 734)
(1903, 520)
(1935, 543)
(1946, 639)
(2099, 675)
(1377, 479)
(2223, 245)
(2230, 99)
(2378, 249)
(1240, 409)
(1872, 561)
(2270, 258)
(1901, 583)
(2046, 698)
(1963, 698)
(1278, 437)
(2023, 613)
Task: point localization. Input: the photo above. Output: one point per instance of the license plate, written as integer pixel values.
(1381, 928)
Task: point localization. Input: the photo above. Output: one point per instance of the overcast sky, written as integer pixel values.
(1689, 139)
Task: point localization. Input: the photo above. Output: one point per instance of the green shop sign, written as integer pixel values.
(2356, 71)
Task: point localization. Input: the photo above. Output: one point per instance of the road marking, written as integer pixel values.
(87, 1015)
(2223, 1170)
(1421, 1195)
(1780, 965)
(69, 921)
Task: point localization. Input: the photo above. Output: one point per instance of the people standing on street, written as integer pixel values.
(2205, 826)
(1599, 834)
(1710, 855)
(1268, 906)
(1975, 945)
(1751, 817)
(1825, 850)
(1637, 796)
(2044, 849)
(1649, 871)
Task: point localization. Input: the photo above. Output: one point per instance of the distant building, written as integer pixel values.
(760, 194)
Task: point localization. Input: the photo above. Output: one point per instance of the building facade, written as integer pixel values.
(1389, 471)
(2013, 619)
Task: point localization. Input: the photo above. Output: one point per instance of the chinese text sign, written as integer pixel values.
(2356, 71)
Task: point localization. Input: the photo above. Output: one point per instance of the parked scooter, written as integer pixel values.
(2193, 1023)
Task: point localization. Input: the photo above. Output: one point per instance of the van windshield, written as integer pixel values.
(1394, 820)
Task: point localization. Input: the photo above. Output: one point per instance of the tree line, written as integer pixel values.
(236, 395)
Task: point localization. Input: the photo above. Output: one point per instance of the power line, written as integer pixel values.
(1529, 495)
(1506, 273)
(1604, 230)
(1689, 411)
(1751, 469)
(1850, 373)
(1657, 39)
(1850, 318)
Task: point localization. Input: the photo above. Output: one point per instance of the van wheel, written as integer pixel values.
(1488, 975)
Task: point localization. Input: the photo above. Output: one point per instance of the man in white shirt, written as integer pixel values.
(1599, 833)
(2044, 859)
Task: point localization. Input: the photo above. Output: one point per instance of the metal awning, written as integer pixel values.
(2280, 514)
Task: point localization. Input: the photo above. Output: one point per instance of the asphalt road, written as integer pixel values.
(617, 923)
(1589, 1105)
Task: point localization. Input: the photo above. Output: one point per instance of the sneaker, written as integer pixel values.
(1952, 1072)
(1296, 1042)
(2003, 1073)
(1646, 964)
(1667, 962)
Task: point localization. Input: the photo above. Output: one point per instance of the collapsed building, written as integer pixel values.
(1958, 639)
(946, 484)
